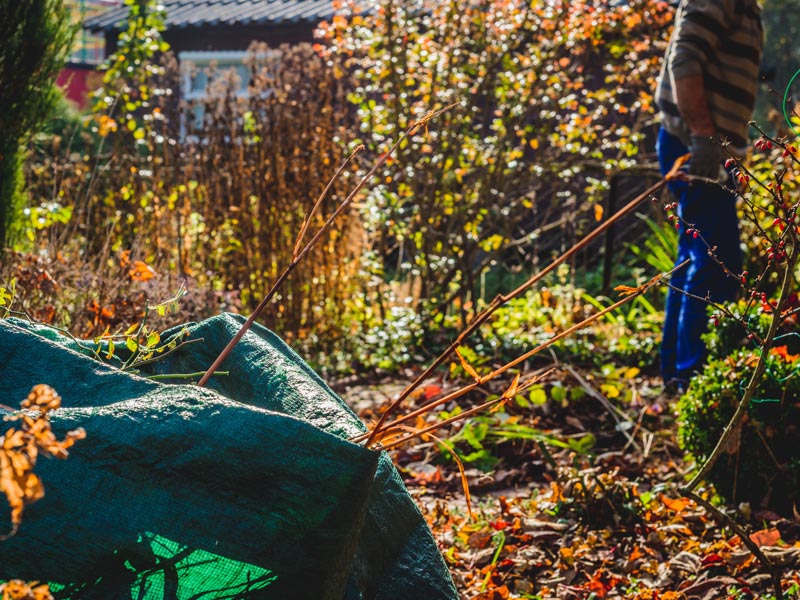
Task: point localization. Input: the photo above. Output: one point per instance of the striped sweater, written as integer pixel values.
(723, 40)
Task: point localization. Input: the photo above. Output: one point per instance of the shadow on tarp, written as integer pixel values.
(247, 489)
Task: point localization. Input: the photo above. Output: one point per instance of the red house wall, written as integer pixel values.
(78, 81)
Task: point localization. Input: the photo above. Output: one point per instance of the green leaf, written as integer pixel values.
(583, 444)
(537, 396)
(558, 393)
(110, 351)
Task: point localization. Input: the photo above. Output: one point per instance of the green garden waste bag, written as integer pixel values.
(245, 489)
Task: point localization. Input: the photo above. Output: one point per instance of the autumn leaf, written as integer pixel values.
(766, 537)
(676, 504)
(467, 367)
(141, 272)
(125, 258)
(20, 590)
(783, 352)
(431, 391)
(626, 290)
(20, 447)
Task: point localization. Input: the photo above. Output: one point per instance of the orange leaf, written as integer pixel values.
(124, 258)
(141, 271)
(431, 391)
(675, 171)
(635, 554)
(676, 504)
(626, 290)
(467, 367)
(783, 352)
(766, 537)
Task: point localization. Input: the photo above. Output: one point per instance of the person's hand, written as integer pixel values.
(706, 157)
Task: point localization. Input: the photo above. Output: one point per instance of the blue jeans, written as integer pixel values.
(712, 211)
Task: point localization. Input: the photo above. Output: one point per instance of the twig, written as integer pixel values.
(744, 403)
(307, 248)
(618, 415)
(773, 569)
(501, 299)
(381, 427)
(183, 375)
(459, 417)
(318, 203)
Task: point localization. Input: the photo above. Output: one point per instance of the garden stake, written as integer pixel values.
(501, 299)
(381, 427)
(455, 419)
(327, 225)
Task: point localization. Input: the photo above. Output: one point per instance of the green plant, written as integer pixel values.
(739, 325)
(761, 463)
(660, 248)
(37, 37)
(551, 98)
(217, 205)
(629, 334)
(480, 440)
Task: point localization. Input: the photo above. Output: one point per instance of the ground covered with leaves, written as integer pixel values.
(575, 494)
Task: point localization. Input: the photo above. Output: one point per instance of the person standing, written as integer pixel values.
(706, 93)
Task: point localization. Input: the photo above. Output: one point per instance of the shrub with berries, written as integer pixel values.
(757, 335)
(762, 464)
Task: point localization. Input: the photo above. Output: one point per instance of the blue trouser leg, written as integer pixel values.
(712, 211)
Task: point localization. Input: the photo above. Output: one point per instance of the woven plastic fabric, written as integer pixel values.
(246, 489)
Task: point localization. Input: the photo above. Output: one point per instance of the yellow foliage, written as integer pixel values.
(20, 447)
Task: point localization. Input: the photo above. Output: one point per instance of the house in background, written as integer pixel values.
(202, 32)
(80, 76)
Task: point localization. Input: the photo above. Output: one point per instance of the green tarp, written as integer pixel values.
(247, 489)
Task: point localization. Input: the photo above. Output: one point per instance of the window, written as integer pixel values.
(200, 70)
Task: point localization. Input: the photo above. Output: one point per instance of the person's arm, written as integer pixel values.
(690, 96)
(697, 36)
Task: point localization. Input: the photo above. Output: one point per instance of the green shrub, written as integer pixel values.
(628, 335)
(761, 464)
(549, 99)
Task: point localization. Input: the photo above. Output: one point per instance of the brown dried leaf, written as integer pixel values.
(467, 367)
(19, 590)
(626, 290)
(42, 397)
(19, 449)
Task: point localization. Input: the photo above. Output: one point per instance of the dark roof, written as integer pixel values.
(198, 13)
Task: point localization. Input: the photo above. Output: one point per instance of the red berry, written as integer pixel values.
(729, 163)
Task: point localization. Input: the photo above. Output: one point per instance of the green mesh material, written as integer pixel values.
(246, 489)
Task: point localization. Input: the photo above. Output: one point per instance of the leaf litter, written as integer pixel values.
(554, 519)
